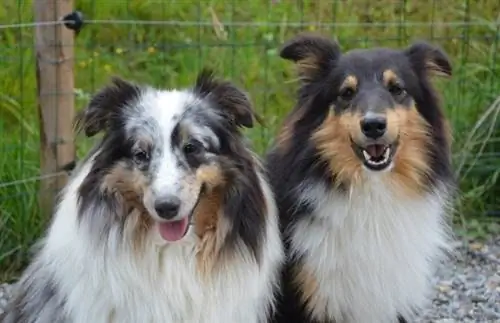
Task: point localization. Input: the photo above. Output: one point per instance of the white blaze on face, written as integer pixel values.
(170, 179)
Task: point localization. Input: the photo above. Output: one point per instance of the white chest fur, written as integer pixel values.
(101, 285)
(104, 292)
(370, 252)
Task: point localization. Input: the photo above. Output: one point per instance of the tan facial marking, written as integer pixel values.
(395, 118)
(130, 183)
(411, 166)
(206, 219)
(389, 77)
(333, 141)
(210, 175)
(208, 223)
(206, 213)
(350, 82)
(129, 186)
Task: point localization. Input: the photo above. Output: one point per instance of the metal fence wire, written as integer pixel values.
(166, 43)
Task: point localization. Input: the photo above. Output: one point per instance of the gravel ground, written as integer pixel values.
(467, 288)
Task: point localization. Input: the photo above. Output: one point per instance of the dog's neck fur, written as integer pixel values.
(367, 237)
(95, 283)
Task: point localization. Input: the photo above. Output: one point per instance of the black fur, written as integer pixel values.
(319, 54)
(297, 162)
(106, 105)
(232, 101)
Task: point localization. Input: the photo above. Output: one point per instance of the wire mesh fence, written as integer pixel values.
(165, 44)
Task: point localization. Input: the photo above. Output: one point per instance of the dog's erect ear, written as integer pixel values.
(314, 54)
(105, 104)
(234, 103)
(428, 58)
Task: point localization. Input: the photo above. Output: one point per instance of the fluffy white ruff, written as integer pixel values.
(372, 253)
(101, 285)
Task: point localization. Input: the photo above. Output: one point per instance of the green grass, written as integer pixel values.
(171, 55)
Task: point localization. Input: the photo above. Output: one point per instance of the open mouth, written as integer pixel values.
(376, 157)
(175, 230)
(172, 231)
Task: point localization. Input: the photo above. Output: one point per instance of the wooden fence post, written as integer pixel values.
(54, 71)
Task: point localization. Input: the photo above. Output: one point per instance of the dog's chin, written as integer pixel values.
(376, 156)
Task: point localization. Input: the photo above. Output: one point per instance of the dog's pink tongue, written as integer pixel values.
(175, 230)
(375, 150)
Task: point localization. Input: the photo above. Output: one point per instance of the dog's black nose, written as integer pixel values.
(374, 127)
(168, 208)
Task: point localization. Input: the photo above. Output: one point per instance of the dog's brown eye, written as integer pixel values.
(395, 89)
(347, 94)
(141, 156)
(192, 147)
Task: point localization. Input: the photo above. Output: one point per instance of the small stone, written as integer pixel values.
(441, 299)
(443, 288)
(476, 246)
(490, 313)
(493, 282)
(478, 299)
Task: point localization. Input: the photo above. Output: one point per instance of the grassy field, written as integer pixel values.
(170, 55)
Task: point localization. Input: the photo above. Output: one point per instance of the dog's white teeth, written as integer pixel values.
(385, 157)
(366, 155)
(387, 153)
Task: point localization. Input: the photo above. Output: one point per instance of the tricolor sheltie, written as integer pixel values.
(361, 171)
(169, 219)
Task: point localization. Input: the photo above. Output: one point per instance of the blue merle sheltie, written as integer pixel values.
(169, 219)
(362, 175)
